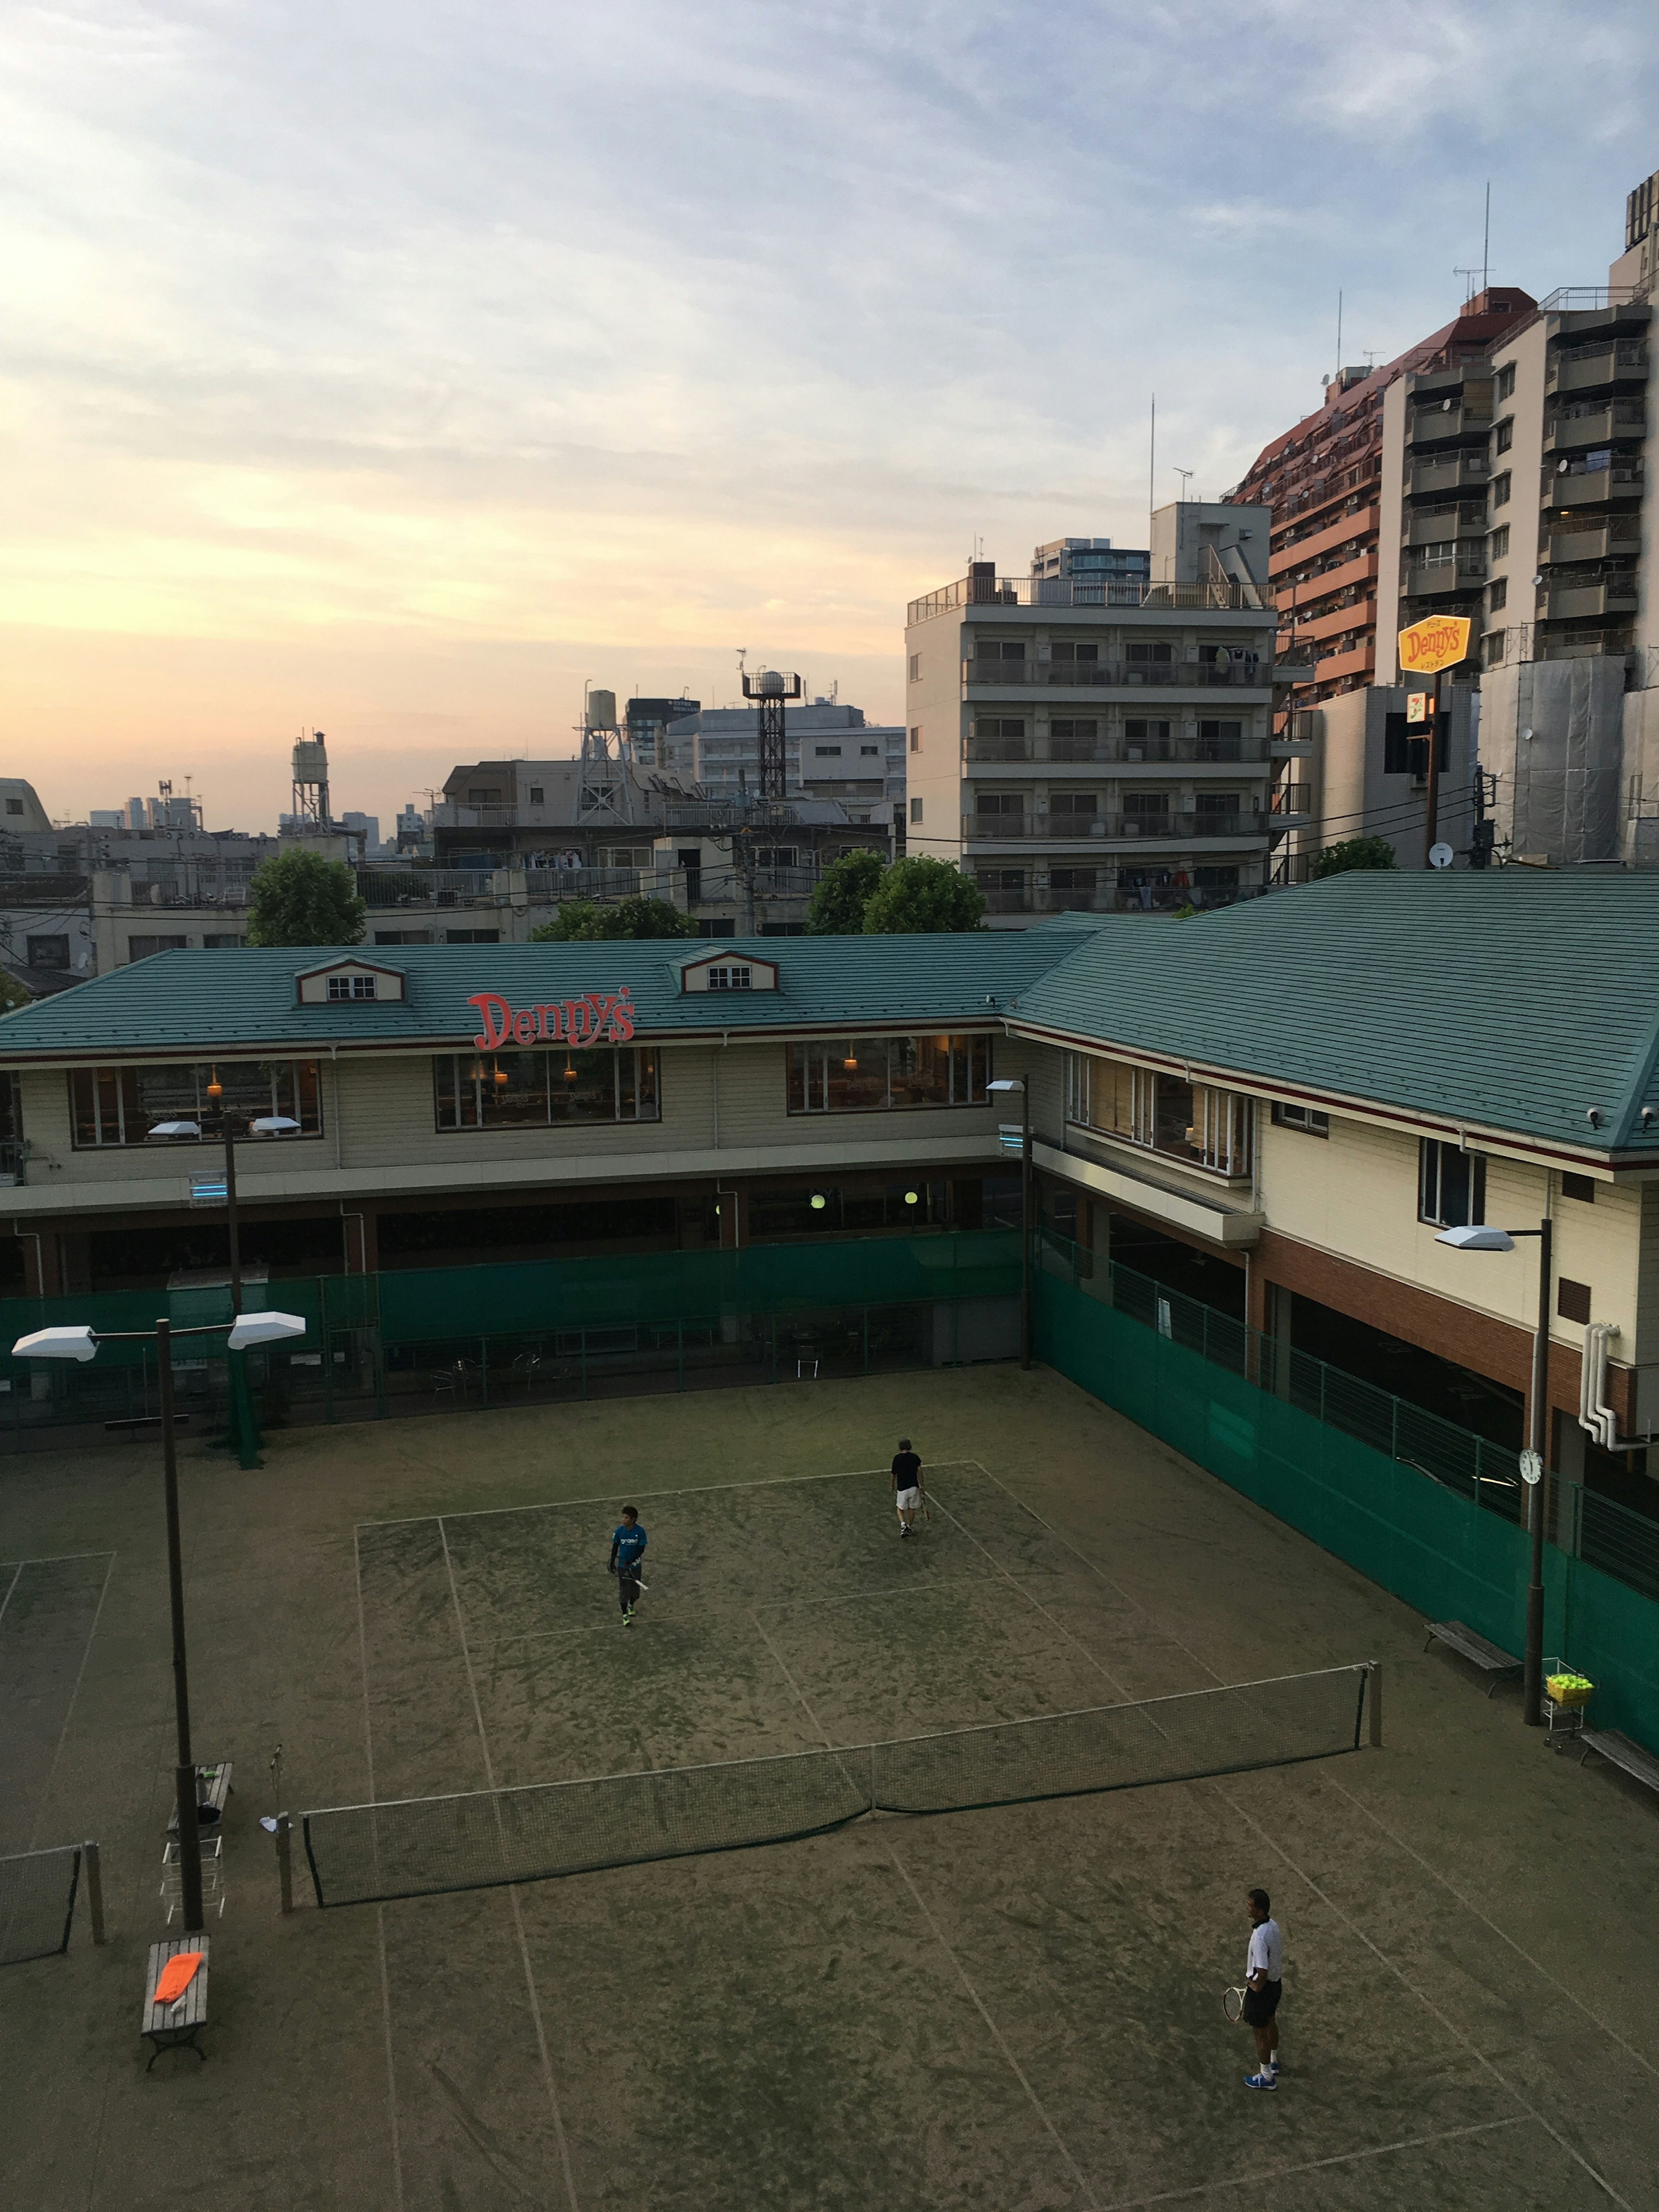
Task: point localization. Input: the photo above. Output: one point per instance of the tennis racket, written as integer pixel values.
(1233, 2005)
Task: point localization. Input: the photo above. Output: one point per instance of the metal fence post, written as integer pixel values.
(285, 1860)
(1375, 1671)
(679, 1355)
(484, 1370)
(94, 1889)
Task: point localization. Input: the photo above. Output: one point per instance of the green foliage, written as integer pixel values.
(1356, 853)
(12, 994)
(580, 922)
(923, 895)
(298, 897)
(842, 894)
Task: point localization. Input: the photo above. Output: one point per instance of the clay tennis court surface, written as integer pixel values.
(1015, 2007)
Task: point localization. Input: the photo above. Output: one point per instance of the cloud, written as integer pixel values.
(526, 336)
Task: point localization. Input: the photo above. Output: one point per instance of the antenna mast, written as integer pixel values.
(770, 691)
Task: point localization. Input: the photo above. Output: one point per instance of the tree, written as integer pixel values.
(842, 894)
(298, 897)
(923, 895)
(13, 993)
(1356, 853)
(580, 922)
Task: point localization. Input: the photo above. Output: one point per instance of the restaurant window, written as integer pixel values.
(540, 1090)
(1452, 1185)
(1078, 1087)
(1192, 1122)
(112, 1106)
(869, 1075)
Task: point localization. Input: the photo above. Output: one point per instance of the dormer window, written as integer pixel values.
(351, 981)
(733, 976)
(351, 986)
(722, 971)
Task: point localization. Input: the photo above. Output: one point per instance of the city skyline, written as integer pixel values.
(398, 377)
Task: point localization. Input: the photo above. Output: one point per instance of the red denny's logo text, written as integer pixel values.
(595, 1015)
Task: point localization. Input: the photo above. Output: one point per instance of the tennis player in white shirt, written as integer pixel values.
(1263, 1970)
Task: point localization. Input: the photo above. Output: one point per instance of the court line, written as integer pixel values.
(1612, 2033)
(17, 1577)
(80, 1676)
(380, 1910)
(512, 1886)
(58, 1558)
(1258, 2175)
(997, 2036)
(1353, 1926)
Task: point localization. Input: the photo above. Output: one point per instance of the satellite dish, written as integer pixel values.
(1440, 856)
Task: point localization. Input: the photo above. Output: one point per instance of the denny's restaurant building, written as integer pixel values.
(459, 1103)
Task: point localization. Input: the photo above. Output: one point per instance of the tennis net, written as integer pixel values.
(36, 1902)
(421, 1846)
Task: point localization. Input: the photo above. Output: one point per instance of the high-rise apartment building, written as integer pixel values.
(1083, 743)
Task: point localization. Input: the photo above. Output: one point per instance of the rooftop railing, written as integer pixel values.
(1223, 598)
(1120, 675)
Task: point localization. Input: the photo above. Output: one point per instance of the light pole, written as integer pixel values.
(1026, 1181)
(81, 1344)
(244, 1432)
(1478, 1238)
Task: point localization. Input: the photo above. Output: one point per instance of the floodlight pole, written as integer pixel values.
(233, 1225)
(1532, 1672)
(1027, 1188)
(190, 1839)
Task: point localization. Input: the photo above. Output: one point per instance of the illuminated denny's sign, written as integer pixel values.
(595, 1017)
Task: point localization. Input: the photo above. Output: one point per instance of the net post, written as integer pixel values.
(285, 1860)
(94, 1889)
(1374, 1683)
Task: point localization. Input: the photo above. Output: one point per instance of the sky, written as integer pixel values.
(395, 369)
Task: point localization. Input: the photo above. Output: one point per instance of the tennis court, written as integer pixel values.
(1012, 2006)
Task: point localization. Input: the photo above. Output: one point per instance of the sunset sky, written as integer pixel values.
(393, 369)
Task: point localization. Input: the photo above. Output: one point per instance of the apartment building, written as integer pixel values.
(1085, 560)
(1085, 743)
(830, 753)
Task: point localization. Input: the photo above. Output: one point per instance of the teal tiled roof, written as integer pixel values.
(204, 1002)
(1515, 999)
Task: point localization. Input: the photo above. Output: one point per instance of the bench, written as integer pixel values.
(1456, 1636)
(1640, 1765)
(168, 2026)
(212, 1788)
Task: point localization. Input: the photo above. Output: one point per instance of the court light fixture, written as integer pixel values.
(1477, 1236)
(1005, 1083)
(57, 1344)
(252, 1329)
(177, 1129)
(274, 1125)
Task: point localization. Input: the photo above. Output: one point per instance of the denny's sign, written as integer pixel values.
(1439, 642)
(597, 1015)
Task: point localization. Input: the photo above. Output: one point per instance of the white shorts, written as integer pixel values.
(908, 1500)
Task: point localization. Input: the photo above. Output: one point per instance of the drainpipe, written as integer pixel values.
(1596, 1417)
(334, 1100)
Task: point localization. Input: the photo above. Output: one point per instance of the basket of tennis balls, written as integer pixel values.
(1568, 1689)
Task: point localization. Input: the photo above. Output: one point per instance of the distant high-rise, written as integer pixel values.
(1082, 558)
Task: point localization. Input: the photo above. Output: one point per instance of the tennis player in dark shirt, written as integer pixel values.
(627, 1549)
(908, 1488)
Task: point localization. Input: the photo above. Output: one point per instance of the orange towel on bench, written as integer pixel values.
(176, 1977)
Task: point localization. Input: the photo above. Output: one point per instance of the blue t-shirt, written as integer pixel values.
(627, 1544)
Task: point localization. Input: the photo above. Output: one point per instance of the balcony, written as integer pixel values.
(1571, 430)
(1354, 660)
(1298, 551)
(1456, 472)
(1087, 829)
(1431, 526)
(1424, 579)
(1568, 486)
(1112, 896)
(1574, 602)
(1586, 368)
(1438, 422)
(1200, 675)
(1106, 751)
(1223, 597)
(1604, 541)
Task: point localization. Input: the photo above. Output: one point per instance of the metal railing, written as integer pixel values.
(1216, 598)
(1255, 675)
(1072, 828)
(1079, 752)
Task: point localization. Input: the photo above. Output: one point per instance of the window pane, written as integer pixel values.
(920, 1070)
(84, 1105)
(798, 1073)
(645, 1079)
(1174, 1115)
(521, 1101)
(583, 1084)
(857, 1074)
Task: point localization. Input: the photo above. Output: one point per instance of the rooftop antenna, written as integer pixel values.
(1469, 289)
(1486, 238)
(1339, 338)
(1186, 476)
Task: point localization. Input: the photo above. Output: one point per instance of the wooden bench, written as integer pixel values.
(1640, 1765)
(168, 2026)
(212, 1788)
(1456, 1636)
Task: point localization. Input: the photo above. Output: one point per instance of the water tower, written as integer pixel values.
(310, 815)
(605, 788)
(770, 691)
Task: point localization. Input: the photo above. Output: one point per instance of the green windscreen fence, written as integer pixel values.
(538, 1330)
(1430, 1511)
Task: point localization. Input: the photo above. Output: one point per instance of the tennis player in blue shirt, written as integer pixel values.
(627, 1549)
